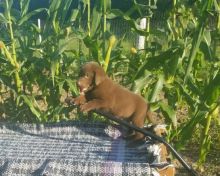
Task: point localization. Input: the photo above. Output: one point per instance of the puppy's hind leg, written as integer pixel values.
(127, 133)
(137, 138)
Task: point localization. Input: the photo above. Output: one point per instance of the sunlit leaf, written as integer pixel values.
(157, 89)
(169, 113)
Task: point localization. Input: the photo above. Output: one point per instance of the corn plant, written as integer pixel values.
(12, 57)
(198, 36)
(31, 64)
(178, 68)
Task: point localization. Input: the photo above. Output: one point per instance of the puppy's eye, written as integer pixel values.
(87, 75)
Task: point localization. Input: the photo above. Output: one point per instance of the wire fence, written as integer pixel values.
(121, 28)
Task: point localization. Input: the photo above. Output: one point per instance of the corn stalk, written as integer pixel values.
(88, 18)
(211, 97)
(175, 36)
(198, 36)
(216, 45)
(12, 57)
(104, 25)
(112, 40)
(217, 7)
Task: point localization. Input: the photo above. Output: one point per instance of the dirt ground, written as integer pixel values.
(190, 154)
(210, 168)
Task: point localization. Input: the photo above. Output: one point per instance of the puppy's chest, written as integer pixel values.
(95, 94)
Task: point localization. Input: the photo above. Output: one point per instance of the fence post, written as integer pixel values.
(39, 26)
(141, 39)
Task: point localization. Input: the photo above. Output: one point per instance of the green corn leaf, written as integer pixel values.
(205, 148)
(187, 95)
(156, 62)
(169, 113)
(212, 91)
(187, 130)
(197, 38)
(107, 4)
(3, 19)
(207, 37)
(216, 5)
(53, 10)
(172, 65)
(74, 15)
(193, 87)
(56, 113)
(72, 86)
(114, 13)
(112, 40)
(158, 87)
(54, 69)
(195, 47)
(8, 55)
(141, 82)
(10, 3)
(154, 106)
(29, 15)
(205, 45)
(92, 44)
(65, 8)
(32, 104)
(65, 45)
(54, 6)
(96, 17)
(24, 5)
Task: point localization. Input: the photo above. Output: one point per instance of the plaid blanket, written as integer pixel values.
(73, 148)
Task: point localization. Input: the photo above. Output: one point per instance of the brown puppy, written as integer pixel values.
(98, 91)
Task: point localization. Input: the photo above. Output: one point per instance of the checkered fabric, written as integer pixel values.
(68, 149)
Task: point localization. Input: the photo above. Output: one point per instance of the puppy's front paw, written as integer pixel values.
(79, 100)
(85, 107)
(69, 100)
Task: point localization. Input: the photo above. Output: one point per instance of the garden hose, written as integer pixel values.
(153, 136)
(150, 134)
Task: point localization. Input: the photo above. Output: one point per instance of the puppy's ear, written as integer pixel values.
(99, 75)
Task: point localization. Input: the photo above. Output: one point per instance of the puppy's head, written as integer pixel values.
(91, 75)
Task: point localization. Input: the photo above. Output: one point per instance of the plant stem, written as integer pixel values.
(88, 18)
(174, 19)
(14, 57)
(216, 46)
(218, 23)
(104, 26)
(112, 40)
(11, 32)
(147, 27)
(89, 22)
(80, 53)
(203, 146)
